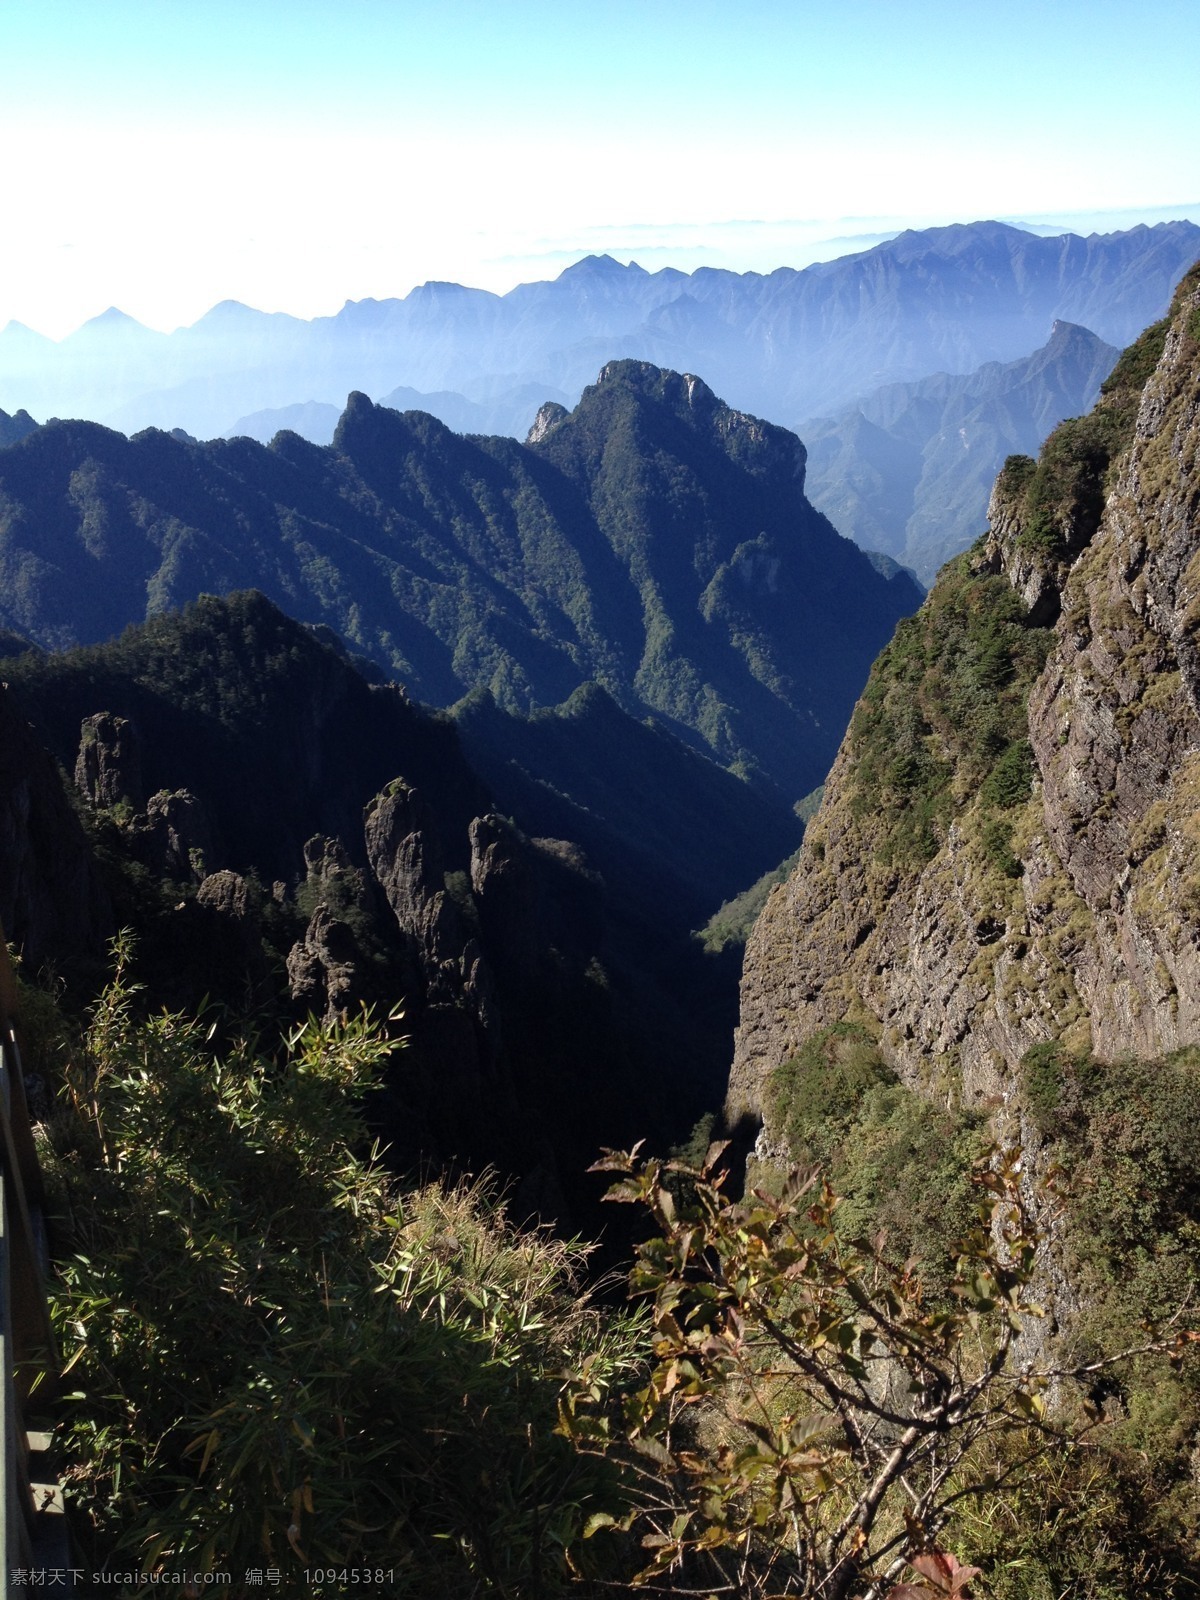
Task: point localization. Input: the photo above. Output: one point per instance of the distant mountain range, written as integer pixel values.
(909, 469)
(784, 345)
(653, 541)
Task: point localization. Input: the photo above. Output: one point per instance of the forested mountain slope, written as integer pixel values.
(653, 540)
(1007, 850)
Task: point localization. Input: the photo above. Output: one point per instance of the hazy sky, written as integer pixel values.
(162, 155)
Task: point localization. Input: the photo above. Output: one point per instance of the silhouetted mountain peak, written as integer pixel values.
(949, 240)
(437, 291)
(231, 314)
(16, 333)
(1065, 335)
(357, 422)
(15, 428)
(603, 266)
(114, 320)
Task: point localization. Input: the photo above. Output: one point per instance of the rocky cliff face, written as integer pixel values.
(1008, 850)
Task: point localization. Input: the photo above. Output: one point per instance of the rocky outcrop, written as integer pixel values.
(108, 769)
(228, 894)
(173, 837)
(508, 892)
(404, 849)
(966, 909)
(548, 418)
(323, 967)
(327, 967)
(227, 910)
(455, 1011)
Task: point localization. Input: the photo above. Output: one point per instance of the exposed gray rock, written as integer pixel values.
(173, 837)
(322, 967)
(228, 893)
(548, 417)
(959, 970)
(406, 857)
(326, 968)
(225, 898)
(108, 769)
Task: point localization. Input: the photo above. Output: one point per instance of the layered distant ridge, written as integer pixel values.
(785, 345)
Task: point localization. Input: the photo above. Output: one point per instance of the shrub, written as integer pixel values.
(818, 1414)
(280, 1360)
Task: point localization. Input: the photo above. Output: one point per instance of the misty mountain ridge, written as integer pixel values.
(787, 344)
(908, 471)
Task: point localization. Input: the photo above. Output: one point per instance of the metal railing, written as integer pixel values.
(32, 1532)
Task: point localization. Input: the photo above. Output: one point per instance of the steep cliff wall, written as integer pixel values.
(1009, 846)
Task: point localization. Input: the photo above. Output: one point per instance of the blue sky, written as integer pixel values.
(165, 154)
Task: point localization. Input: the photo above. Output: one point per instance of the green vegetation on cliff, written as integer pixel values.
(899, 1162)
(1115, 1513)
(941, 723)
(1058, 499)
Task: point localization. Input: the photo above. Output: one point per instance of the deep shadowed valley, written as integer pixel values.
(436, 781)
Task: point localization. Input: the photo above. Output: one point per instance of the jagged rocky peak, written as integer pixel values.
(15, 428)
(759, 447)
(326, 967)
(405, 852)
(1007, 851)
(549, 416)
(170, 833)
(681, 387)
(326, 862)
(323, 967)
(108, 768)
(174, 837)
(374, 435)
